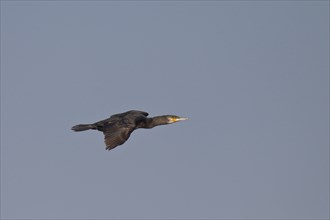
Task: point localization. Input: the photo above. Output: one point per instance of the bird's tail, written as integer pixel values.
(83, 127)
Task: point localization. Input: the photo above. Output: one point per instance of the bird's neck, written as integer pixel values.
(155, 121)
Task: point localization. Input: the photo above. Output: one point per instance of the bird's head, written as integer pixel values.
(174, 118)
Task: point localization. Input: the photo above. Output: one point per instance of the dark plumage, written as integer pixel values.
(119, 127)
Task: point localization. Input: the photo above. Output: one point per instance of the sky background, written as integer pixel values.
(252, 76)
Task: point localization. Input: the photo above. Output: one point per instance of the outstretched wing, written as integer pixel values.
(120, 126)
(115, 135)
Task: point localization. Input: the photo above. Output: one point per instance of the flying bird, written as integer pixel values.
(119, 127)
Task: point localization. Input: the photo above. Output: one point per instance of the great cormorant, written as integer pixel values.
(119, 127)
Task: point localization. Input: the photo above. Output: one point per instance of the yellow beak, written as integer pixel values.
(179, 119)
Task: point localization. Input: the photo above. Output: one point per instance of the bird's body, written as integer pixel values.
(119, 127)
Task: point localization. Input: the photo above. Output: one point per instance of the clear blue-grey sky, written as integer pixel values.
(252, 76)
